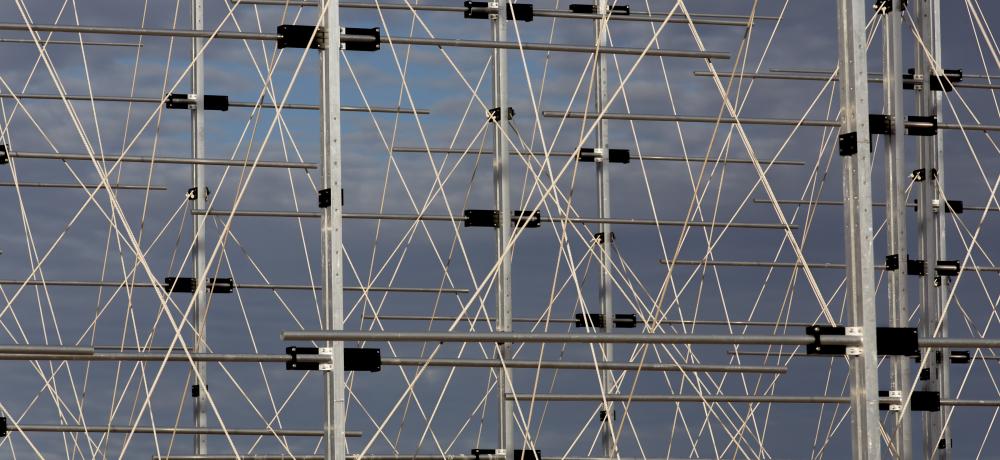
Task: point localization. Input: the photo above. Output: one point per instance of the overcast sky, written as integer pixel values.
(555, 272)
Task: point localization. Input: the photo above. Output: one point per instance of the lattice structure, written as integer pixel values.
(545, 230)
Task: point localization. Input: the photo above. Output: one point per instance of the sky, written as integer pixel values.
(406, 410)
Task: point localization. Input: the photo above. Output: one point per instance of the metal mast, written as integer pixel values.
(199, 200)
(331, 230)
(856, 154)
(603, 212)
(501, 190)
(930, 224)
(892, 90)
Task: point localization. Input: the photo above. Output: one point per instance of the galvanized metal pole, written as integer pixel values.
(930, 224)
(892, 90)
(501, 192)
(853, 49)
(603, 212)
(331, 231)
(199, 200)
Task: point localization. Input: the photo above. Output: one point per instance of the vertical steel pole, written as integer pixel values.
(501, 189)
(930, 223)
(865, 434)
(892, 88)
(200, 201)
(603, 211)
(332, 238)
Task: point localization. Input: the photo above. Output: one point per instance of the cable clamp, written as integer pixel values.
(855, 331)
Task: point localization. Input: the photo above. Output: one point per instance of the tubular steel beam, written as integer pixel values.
(169, 430)
(636, 16)
(366, 39)
(331, 235)
(755, 121)
(43, 349)
(199, 199)
(425, 217)
(750, 399)
(817, 265)
(44, 42)
(272, 287)
(161, 160)
(155, 100)
(866, 439)
(688, 159)
(523, 337)
(605, 293)
(84, 186)
(820, 77)
(896, 184)
(931, 225)
(390, 457)
(703, 322)
(504, 250)
(877, 205)
(178, 355)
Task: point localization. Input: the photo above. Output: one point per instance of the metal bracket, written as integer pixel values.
(296, 36)
(186, 284)
(915, 267)
(371, 39)
(324, 198)
(490, 10)
(853, 331)
(896, 341)
(527, 219)
(925, 401)
(589, 155)
(494, 114)
(879, 124)
(817, 347)
(595, 320)
(885, 6)
(617, 10)
(3, 427)
(848, 143)
(892, 262)
(948, 268)
(928, 125)
(626, 320)
(4, 159)
(190, 101)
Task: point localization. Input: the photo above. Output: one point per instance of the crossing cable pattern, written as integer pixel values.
(423, 335)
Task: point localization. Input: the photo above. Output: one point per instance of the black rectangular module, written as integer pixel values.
(926, 126)
(482, 218)
(626, 320)
(879, 123)
(595, 320)
(817, 347)
(622, 156)
(848, 143)
(363, 359)
(925, 401)
(324, 198)
(179, 284)
(361, 39)
(297, 36)
(527, 219)
(896, 341)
